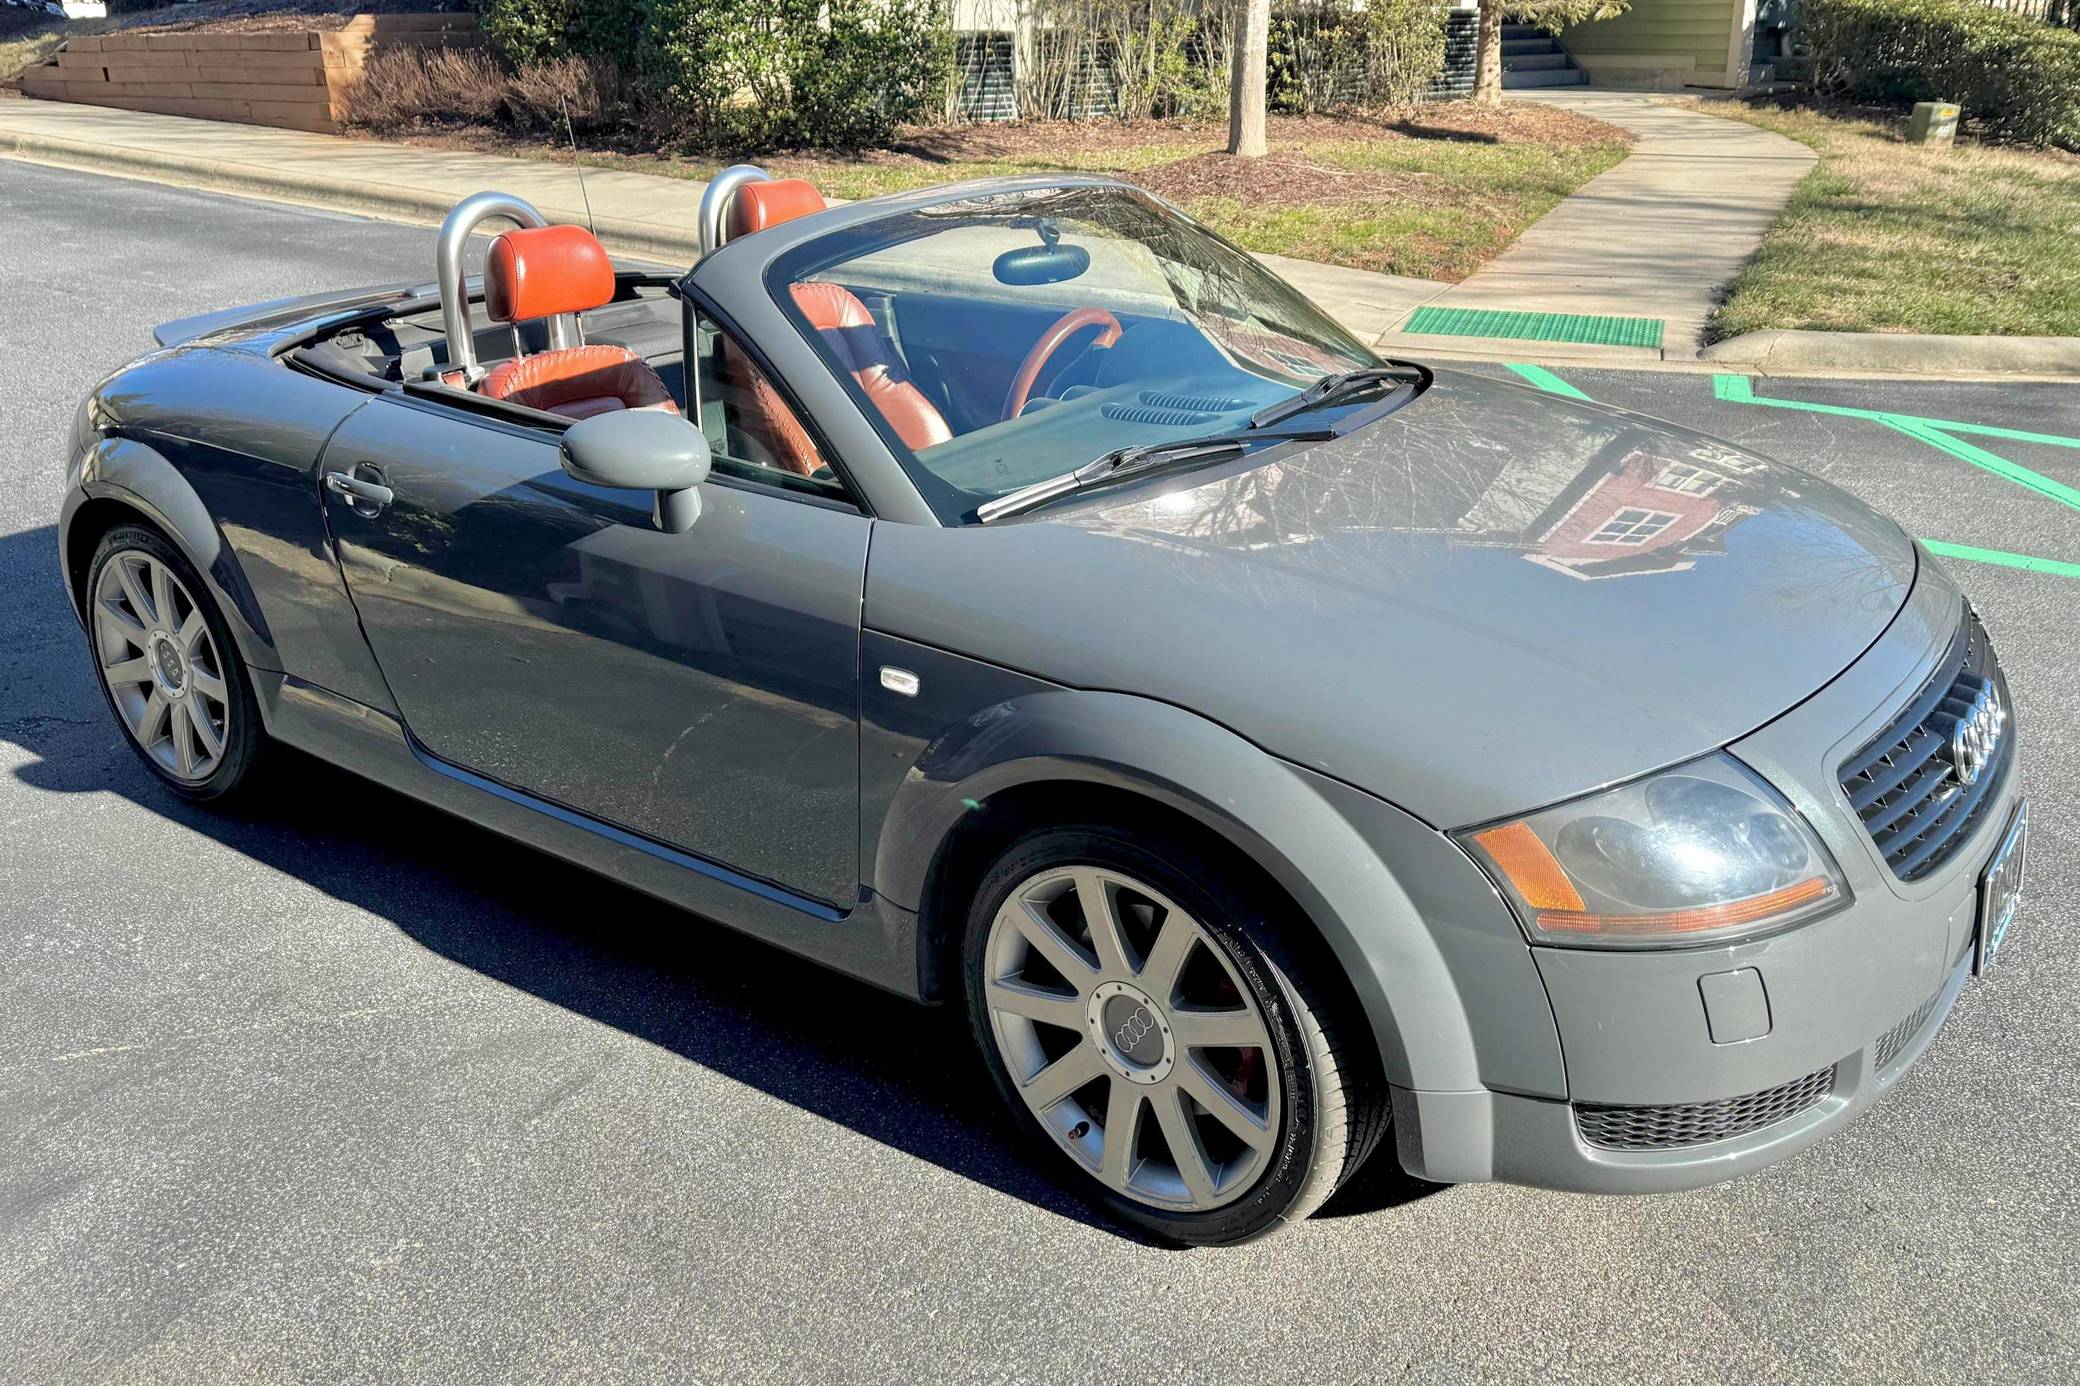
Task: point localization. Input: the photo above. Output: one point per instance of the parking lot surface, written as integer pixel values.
(334, 1087)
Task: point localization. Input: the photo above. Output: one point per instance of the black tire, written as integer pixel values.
(1335, 1112)
(244, 738)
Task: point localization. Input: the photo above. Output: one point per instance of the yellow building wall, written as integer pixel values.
(1693, 37)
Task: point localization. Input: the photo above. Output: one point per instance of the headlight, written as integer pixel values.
(1697, 854)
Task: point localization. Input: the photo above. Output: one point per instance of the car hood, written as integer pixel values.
(1488, 601)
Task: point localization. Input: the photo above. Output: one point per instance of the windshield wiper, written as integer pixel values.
(1331, 388)
(1138, 458)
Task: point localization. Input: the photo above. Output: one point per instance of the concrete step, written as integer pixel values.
(1522, 31)
(1514, 47)
(1535, 62)
(1560, 77)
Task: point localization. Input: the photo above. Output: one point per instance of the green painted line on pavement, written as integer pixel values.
(2027, 562)
(1738, 389)
(1547, 381)
(1980, 457)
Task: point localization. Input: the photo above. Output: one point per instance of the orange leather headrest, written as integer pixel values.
(759, 205)
(546, 271)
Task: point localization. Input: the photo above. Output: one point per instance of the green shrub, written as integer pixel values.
(529, 31)
(2017, 78)
(1331, 54)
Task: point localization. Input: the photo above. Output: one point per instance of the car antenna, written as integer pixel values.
(577, 163)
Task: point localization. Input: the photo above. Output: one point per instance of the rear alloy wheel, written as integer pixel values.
(167, 665)
(1171, 1054)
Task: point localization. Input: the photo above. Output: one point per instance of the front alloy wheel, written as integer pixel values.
(1148, 1023)
(167, 665)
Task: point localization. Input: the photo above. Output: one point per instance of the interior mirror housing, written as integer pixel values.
(643, 450)
(1041, 264)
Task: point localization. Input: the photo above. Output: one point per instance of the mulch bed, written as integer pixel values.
(1282, 178)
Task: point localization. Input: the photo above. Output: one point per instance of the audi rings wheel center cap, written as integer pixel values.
(167, 664)
(1132, 1032)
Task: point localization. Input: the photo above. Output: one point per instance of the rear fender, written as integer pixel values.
(129, 473)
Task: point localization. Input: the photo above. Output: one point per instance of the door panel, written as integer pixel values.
(700, 689)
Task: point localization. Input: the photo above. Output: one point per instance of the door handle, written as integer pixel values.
(363, 496)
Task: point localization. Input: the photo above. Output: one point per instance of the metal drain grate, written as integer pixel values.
(1537, 327)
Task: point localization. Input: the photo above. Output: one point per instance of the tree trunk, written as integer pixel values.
(1487, 56)
(1247, 80)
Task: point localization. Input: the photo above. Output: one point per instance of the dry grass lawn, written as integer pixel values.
(1884, 236)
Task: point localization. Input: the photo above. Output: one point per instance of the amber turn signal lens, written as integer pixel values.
(1690, 921)
(1529, 864)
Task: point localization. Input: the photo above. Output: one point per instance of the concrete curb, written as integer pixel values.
(640, 239)
(1779, 351)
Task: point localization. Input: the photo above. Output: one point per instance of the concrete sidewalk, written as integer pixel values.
(1656, 237)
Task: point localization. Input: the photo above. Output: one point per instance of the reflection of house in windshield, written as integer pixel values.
(1647, 514)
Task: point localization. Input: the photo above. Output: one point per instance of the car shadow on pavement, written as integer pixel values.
(836, 1047)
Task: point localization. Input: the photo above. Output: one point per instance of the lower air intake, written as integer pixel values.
(1682, 1124)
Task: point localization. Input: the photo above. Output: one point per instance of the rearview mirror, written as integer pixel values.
(643, 450)
(1041, 264)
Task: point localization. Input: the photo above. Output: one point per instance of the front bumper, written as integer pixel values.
(1685, 1067)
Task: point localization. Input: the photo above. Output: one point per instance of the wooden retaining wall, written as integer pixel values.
(297, 80)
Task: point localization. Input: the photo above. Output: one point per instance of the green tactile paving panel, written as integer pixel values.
(1537, 327)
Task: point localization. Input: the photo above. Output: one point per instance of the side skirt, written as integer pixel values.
(876, 942)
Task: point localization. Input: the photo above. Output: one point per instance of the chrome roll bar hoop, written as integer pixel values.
(715, 201)
(453, 240)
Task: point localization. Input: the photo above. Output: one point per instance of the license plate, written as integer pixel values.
(2000, 890)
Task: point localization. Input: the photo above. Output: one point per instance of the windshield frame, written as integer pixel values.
(857, 236)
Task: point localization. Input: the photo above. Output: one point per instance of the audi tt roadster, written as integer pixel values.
(1013, 595)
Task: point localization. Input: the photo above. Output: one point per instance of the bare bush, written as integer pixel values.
(405, 87)
(593, 91)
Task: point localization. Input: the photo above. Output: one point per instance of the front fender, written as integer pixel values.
(1332, 849)
(134, 474)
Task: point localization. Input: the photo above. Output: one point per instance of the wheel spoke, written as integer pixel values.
(192, 631)
(1232, 1029)
(162, 597)
(1122, 1132)
(183, 729)
(1166, 959)
(212, 745)
(124, 625)
(1040, 931)
(1062, 1077)
(1225, 1106)
(1047, 1007)
(1101, 917)
(140, 605)
(151, 723)
(137, 669)
(200, 680)
(1183, 1141)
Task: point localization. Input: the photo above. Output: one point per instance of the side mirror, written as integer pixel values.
(643, 450)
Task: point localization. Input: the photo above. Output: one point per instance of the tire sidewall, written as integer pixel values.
(1241, 929)
(244, 734)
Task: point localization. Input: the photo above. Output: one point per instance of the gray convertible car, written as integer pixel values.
(1012, 594)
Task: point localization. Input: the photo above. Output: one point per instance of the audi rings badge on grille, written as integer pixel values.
(1977, 734)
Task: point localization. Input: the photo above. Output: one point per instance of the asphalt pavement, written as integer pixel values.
(338, 1088)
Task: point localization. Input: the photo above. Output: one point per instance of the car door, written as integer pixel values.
(698, 689)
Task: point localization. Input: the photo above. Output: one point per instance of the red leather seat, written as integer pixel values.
(836, 313)
(543, 273)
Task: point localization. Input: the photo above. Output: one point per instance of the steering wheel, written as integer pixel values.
(1065, 327)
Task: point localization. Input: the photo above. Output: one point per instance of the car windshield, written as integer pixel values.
(1010, 337)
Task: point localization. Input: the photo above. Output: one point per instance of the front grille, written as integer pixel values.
(1908, 783)
(1698, 1123)
(1894, 1040)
